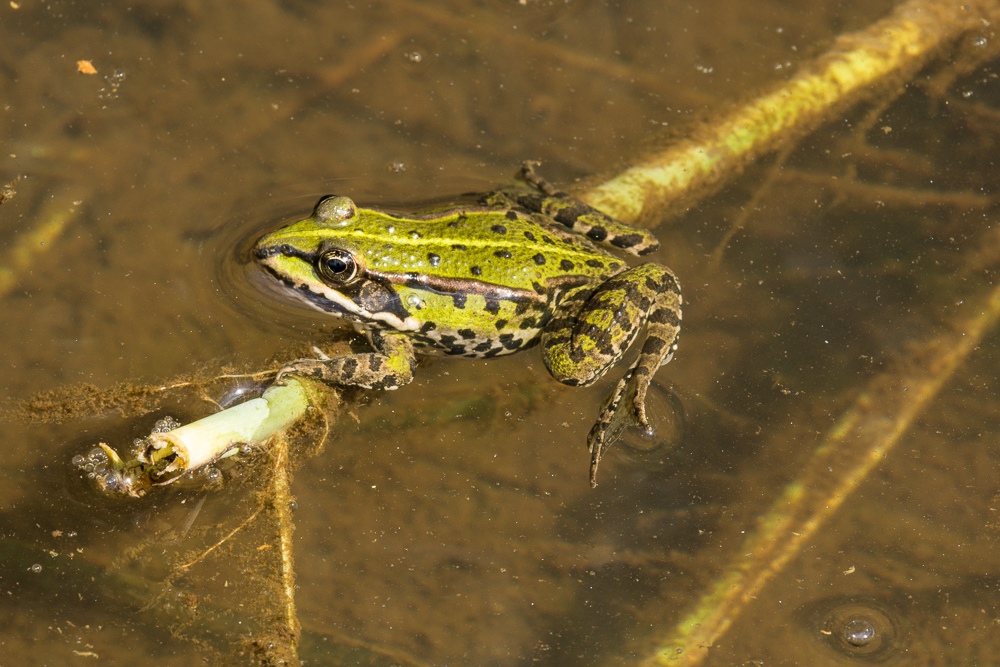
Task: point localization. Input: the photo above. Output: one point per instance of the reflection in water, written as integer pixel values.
(667, 417)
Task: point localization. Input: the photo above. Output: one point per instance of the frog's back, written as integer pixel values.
(507, 248)
(481, 282)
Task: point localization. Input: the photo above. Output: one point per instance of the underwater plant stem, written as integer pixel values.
(858, 66)
(23, 254)
(860, 440)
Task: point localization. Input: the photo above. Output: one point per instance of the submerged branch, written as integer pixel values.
(283, 502)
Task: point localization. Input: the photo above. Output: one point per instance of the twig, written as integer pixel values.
(773, 175)
(554, 52)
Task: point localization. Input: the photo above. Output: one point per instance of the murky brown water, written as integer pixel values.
(452, 522)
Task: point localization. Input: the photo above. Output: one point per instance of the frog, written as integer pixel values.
(521, 266)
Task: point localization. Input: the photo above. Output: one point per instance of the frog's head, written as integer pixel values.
(321, 261)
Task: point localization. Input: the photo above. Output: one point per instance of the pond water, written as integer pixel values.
(451, 522)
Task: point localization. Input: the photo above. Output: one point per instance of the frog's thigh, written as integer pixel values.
(583, 341)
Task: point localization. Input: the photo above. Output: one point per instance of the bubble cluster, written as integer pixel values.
(110, 474)
(114, 84)
(94, 463)
(164, 425)
(212, 475)
(108, 478)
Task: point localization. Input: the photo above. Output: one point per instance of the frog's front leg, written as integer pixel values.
(580, 345)
(389, 368)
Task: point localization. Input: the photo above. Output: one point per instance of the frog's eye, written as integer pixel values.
(333, 209)
(337, 266)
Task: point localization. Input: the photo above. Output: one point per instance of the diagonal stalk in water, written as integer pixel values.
(861, 439)
(857, 67)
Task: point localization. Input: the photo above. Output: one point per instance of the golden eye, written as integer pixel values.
(333, 209)
(337, 266)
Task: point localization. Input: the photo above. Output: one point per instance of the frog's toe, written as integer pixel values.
(288, 369)
(596, 442)
(309, 367)
(639, 411)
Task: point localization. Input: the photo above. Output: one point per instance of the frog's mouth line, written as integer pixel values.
(329, 300)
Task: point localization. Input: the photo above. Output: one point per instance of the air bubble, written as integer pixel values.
(859, 632)
(861, 628)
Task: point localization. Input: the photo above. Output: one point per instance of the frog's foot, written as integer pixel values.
(369, 371)
(625, 405)
(528, 175)
(389, 368)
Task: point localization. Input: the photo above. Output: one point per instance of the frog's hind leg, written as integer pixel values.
(573, 214)
(531, 177)
(579, 347)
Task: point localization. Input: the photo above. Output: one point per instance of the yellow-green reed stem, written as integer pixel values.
(857, 66)
(251, 423)
(854, 446)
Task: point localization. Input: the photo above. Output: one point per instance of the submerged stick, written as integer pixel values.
(857, 67)
(283, 501)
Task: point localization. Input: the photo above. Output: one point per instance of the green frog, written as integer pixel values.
(526, 265)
